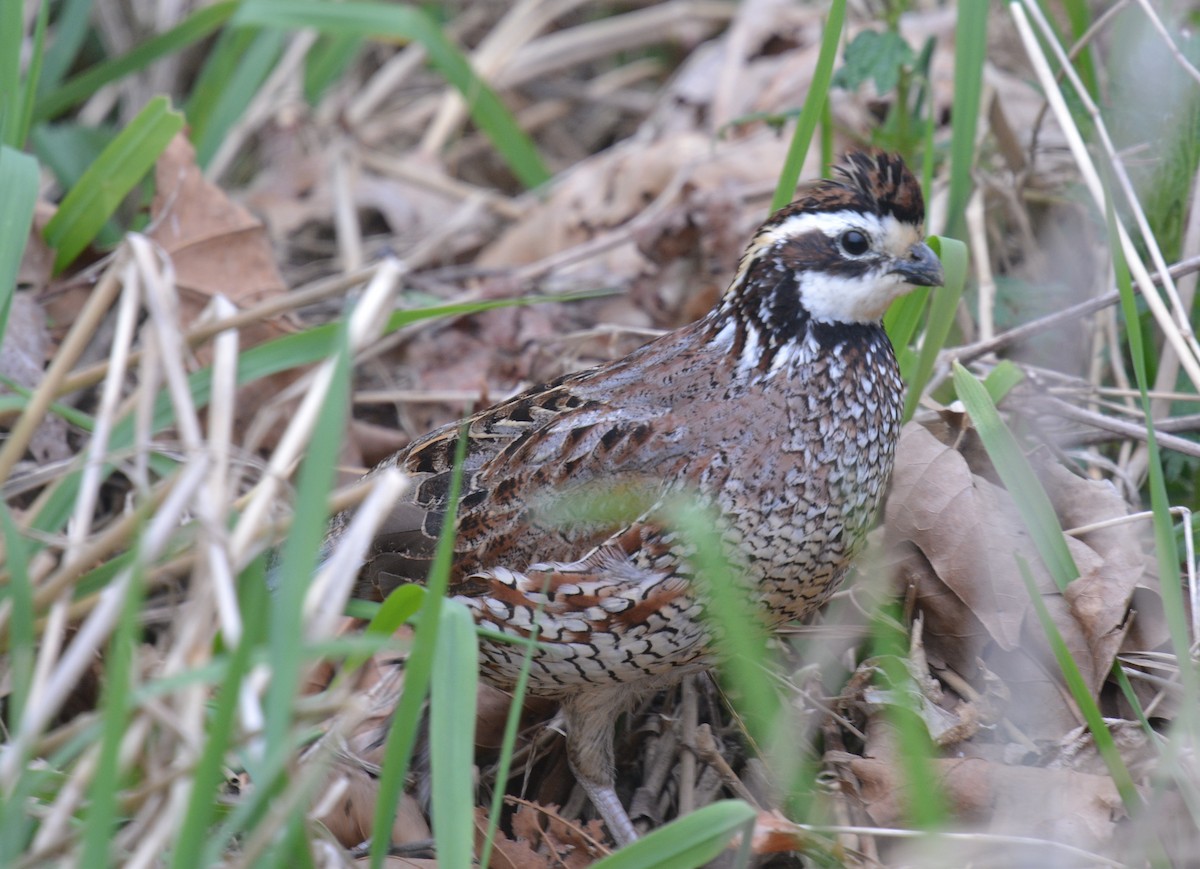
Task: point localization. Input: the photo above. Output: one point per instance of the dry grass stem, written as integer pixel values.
(365, 324)
(1178, 329)
(331, 588)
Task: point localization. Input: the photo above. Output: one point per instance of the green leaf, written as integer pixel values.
(238, 73)
(953, 254)
(327, 60)
(877, 56)
(299, 554)
(970, 49)
(109, 179)
(398, 607)
(452, 735)
(1018, 477)
(1105, 744)
(419, 671)
(72, 24)
(67, 149)
(1169, 579)
(690, 841)
(18, 196)
(194, 28)
(18, 131)
(814, 107)
(407, 23)
(1002, 379)
(22, 639)
(12, 32)
(104, 789)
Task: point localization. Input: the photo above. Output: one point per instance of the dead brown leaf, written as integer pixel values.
(508, 853)
(352, 818)
(955, 535)
(966, 529)
(217, 248)
(570, 844)
(1057, 804)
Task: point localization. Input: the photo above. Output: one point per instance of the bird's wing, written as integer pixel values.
(547, 476)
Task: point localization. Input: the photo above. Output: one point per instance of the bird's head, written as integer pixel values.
(844, 250)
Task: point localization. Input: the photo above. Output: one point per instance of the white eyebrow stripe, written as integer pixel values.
(831, 223)
(887, 234)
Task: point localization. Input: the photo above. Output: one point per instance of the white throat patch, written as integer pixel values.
(858, 299)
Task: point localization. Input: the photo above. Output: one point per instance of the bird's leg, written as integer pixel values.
(591, 717)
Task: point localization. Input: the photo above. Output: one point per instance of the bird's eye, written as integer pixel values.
(854, 242)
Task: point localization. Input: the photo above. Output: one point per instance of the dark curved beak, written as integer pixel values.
(921, 268)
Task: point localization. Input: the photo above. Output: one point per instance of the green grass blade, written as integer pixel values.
(970, 50)
(922, 795)
(110, 178)
(1078, 687)
(68, 149)
(397, 608)
(814, 103)
(17, 824)
(72, 23)
(452, 736)
(213, 79)
(299, 555)
(33, 74)
(1080, 18)
(1018, 477)
(12, 32)
(741, 637)
(224, 101)
(255, 603)
(690, 841)
(902, 321)
(403, 731)
(406, 23)
(904, 317)
(327, 60)
(18, 196)
(194, 28)
(101, 814)
(945, 299)
(512, 725)
(1170, 581)
(218, 735)
(22, 639)
(1002, 379)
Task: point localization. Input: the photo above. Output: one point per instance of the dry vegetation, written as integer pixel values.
(926, 697)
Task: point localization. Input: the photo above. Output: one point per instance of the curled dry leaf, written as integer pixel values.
(955, 535)
(217, 247)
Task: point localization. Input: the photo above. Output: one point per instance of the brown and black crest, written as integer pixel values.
(874, 182)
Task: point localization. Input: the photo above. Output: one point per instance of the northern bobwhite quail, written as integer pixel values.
(780, 410)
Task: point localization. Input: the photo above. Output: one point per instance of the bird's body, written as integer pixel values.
(779, 411)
